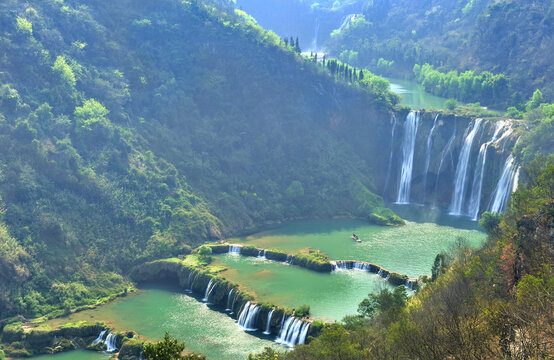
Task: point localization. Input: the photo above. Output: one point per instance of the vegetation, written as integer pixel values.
(168, 349)
(508, 38)
(495, 303)
(124, 139)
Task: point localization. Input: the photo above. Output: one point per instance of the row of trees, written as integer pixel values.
(469, 86)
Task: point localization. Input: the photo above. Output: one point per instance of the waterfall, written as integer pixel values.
(380, 273)
(316, 33)
(445, 151)
(110, 343)
(233, 303)
(289, 259)
(388, 277)
(229, 308)
(477, 186)
(260, 252)
(506, 184)
(428, 155)
(408, 148)
(99, 338)
(460, 178)
(248, 317)
(235, 249)
(293, 332)
(209, 289)
(390, 156)
(267, 331)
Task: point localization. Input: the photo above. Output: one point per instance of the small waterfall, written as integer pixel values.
(263, 256)
(260, 252)
(229, 308)
(99, 338)
(233, 303)
(316, 33)
(267, 331)
(380, 273)
(235, 249)
(304, 333)
(460, 179)
(390, 156)
(209, 288)
(289, 259)
(408, 148)
(388, 277)
(506, 184)
(248, 317)
(428, 156)
(477, 186)
(445, 151)
(292, 331)
(110, 343)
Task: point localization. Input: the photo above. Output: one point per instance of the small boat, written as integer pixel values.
(356, 238)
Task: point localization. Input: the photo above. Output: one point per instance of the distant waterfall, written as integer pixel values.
(460, 179)
(445, 151)
(293, 331)
(229, 308)
(110, 343)
(209, 289)
(269, 315)
(235, 249)
(99, 338)
(477, 186)
(316, 33)
(408, 148)
(233, 303)
(506, 185)
(390, 156)
(289, 259)
(428, 156)
(248, 317)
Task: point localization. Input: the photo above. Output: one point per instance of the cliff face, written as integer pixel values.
(435, 168)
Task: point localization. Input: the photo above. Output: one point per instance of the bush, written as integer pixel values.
(451, 104)
(302, 311)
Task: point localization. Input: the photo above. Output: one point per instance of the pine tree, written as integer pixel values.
(297, 47)
(286, 40)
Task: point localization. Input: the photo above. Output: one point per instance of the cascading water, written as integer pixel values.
(408, 148)
(506, 185)
(445, 152)
(99, 338)
(304, 333)
(460, 178)
(477, 186)
(260, 252)
(229, 308)
(233, 303)
(110, 343)
(428, 156)
(289, 259)
(248, 317)
(269, 315)
(235, 249)
(209, 289)
(390, 155)
(316, 33)
(293, 331)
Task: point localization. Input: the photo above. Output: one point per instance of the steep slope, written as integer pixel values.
(134, 129)
(509, 37)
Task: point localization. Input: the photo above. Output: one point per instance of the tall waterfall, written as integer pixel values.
(408, 147)
(428, 156)
(248, 317)
(110, 343)
(445, 151)
(390, 156)
(477, 186)
(293, 331)
(209, 289)
(99, 338)
(506, 185)
(233, 303)
(460, 178)
(316, 34)
(267, 329)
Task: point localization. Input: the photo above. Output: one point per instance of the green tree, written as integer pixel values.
(90, 114)
(205, 253)
(64, 71)
(451, 104)
(439, 266)
(535, 102)
(168, 349)
(489, 222)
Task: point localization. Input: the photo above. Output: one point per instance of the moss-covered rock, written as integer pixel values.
(250, 250)
(62, 345)
(12, 333)
(397, 279)
(130, 349)
(316, 261)
(219, 248)
(276, 255)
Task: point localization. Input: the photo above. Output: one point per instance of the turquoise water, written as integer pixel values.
(75, 355)
(408, 250)
(331, 296)
(415, 96)
(151, 312)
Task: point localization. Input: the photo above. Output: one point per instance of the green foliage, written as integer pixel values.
(205, 253)
(451, 104)
(64, 71)
(440, 265)
(91, 114)
(295, 190)
(302, 311)
(167, 349)
(267, 354)
(489, 222)
(535, 102)
(24, 26)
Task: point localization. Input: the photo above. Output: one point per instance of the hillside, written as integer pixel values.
(502, 37)
(132, 130)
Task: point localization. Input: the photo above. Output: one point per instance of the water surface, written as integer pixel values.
(414, 95)
(75, 355)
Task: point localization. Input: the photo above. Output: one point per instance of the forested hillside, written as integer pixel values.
(132, 130)
(511, 38)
